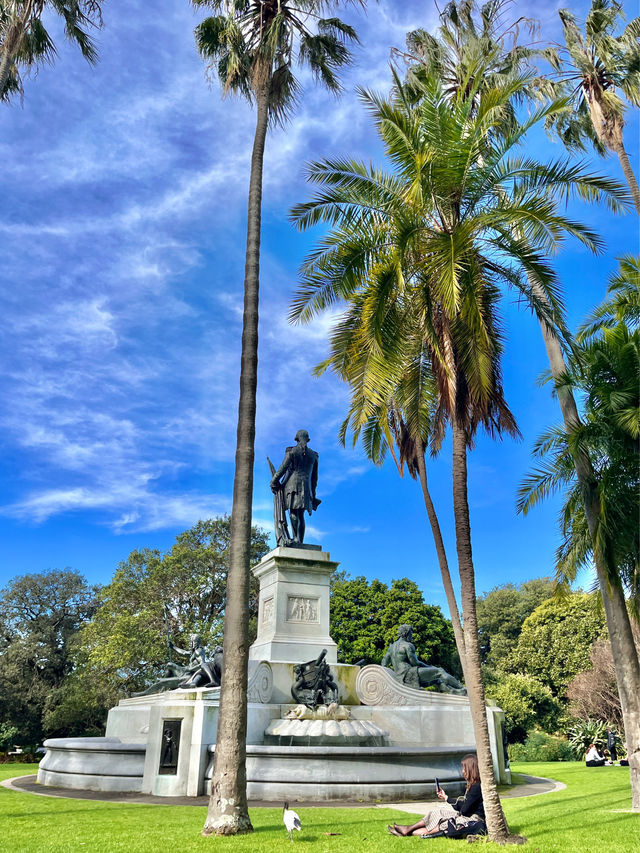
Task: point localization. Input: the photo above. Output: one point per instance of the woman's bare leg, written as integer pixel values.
(415, 829)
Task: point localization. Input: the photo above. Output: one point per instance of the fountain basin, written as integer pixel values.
(93, 764)
(366, 773)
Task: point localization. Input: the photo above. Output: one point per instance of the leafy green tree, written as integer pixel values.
(40, 617)
(125, 645)
(419, 255)
(597, 63)
(608, 374)
(601, 63)
(253, 47)
(473, 39)
(527, 704)
(556, 640)
(365, 618)
(25, 43)
(501, 614)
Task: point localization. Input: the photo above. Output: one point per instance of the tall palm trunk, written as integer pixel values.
(623, 157)
(496, 821)
(442, 560)
(625, 654)
(609, 129)
(228, 813)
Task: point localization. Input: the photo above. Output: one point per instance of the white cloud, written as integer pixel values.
(123, 507)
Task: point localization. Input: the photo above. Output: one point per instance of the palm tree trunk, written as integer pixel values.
(13, 39)
(625, 654)
(628, 173)
(609, 129)
(442, 560)
(9, 50)
(228, 813)
(496, 822)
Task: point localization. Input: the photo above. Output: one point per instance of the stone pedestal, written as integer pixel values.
(293, 609)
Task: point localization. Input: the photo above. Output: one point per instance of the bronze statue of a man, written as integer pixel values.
(296, 479)
(401, 656)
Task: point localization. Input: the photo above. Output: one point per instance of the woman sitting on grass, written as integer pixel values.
(593, 757)
(469, 804)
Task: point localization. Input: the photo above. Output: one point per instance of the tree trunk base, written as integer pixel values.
(227, 825)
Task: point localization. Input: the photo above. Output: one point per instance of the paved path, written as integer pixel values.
(27, 784)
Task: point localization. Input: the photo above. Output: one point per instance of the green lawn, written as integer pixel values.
(581, 819)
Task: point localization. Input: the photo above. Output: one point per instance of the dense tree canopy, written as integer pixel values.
(127, 639)
(501, 614)
(555, 641)
(365, 618)
(40, 618)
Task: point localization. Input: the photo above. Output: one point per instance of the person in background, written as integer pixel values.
(593, 757)
(611, 745)
(467, 805)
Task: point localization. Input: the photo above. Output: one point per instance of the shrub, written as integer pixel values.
(8, 735)
(526, 703)
(586, 732)
(541, 747)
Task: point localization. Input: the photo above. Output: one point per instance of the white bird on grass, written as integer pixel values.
(290, 820)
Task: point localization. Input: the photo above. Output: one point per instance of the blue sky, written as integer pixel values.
(123, 199)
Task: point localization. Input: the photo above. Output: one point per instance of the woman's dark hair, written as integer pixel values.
(470, 770)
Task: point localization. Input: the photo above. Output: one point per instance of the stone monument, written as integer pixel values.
(369, 734)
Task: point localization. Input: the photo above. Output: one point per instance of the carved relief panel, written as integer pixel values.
(300, 609)
(267, 611)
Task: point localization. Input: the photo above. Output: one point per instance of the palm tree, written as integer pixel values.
(419, 256)
(606, 371)
(596, 64)
(253, 46)
(474, 39)
(601, 510)
(25, 42)
(393, 402)
(622, 304)
(460, 40)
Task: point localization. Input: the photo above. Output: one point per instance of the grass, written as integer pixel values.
(588, 817)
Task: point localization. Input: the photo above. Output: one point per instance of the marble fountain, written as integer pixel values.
(388, 745)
